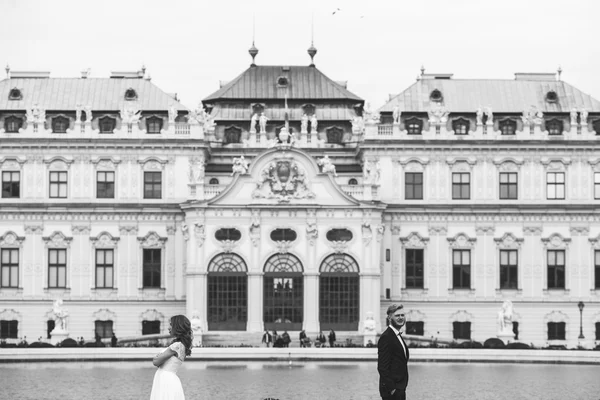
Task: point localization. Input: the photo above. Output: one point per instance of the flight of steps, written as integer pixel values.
(236, 339)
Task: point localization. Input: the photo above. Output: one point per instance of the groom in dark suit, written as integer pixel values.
(392, 357)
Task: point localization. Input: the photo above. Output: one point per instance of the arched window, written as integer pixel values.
(554, 127)
(213, 181)
(339, 293)
(130, 95)
(335, 135)
(60, 124)
(233, 134)
(508, 127)
(460, 126)
(436, 96)
(283, 293)
(352, 182)
(414, 126)
(227, 295)
(106, 124)
(154, 124)
(12, 124)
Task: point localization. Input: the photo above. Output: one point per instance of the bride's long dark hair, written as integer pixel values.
(181, 328)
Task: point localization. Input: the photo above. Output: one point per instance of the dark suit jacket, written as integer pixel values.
(391, 363)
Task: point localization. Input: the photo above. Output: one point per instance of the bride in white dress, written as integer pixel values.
(166, 384)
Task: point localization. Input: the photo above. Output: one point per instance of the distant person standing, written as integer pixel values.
(286, 339)
(321, 339)
(267, 339)
(113, 340)
(331, 338)
(392, 357)
(303, 338)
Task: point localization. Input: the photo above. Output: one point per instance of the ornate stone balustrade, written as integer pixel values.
(211, 191)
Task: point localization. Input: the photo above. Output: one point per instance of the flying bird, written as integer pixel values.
(333, 13)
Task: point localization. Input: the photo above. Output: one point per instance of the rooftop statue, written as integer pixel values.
(314, 123)
(240, 166)
(479, 115)
(304, 123)
(489, 115)
(573, 115)
(327, 166)
(262, 122)
(253, 122)
(172, 114)
(396, 114)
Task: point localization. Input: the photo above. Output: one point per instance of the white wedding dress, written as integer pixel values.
(166, 384)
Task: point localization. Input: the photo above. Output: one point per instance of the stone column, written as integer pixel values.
(534, 260)
(170, 248)
(196, 289)
(311, 302)
(397, 257)
(255, 323)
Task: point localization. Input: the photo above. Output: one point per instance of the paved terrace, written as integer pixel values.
(301, 354)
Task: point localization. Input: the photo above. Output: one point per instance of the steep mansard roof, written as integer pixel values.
(466, 95)
(261, 82)
(99, 93)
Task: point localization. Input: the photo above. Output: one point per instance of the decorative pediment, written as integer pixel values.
(152, 240)
(11, 239)
(152, 163)
(283, 179)
(462, 316)
(508, 163)
(152, 315)
(58, 163)
(462, 240)
(9, 314)
(413, 164)
(555, 163)
(508, 241)
(12, 162)
(104, 240)
(106, 163)
(104, 314)
(57, 240)
(461, 163)
(414, 240)
(415, 316)
(283, 247)
(339, 246)
(556, 316)
(556, 241)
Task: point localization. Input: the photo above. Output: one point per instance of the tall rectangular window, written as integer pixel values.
(413, 185)
(104, 329)
(461, 269)
(508, 269)
(105, 185)
(597, 185)
(58, 184)
(9, 329)
(556, 330)
(461, 330)
(461, 185)
(555, 185)
(508, 185)
(556, 269)
(57, 268)
(152, 185)
(104, 268)
(11, 184)
(597, 269)
(9, 268)
(151, 261)
(414, 268)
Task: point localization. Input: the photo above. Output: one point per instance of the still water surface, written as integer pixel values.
(301, 381)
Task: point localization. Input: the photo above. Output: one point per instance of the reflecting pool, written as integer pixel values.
(301, 380)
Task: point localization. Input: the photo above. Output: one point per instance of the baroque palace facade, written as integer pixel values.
(284, 203)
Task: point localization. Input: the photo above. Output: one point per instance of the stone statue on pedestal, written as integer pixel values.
(396, 115)
(262, 121)
(505, 316)
(60, 317)
(479, 116)
(196, 323)
(327, 166)
(304, 123)
(253, 122)
(573, 115)
(240, 166)
(490, 116)
(369, 327)
(314, 123)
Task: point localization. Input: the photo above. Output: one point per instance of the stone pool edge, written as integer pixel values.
(17, 355)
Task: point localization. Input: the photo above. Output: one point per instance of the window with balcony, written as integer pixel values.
(555, 186)
(508, 269)
(11, 184)
(12, 124)
(460, 126)
(58, 184)
(154, 125)
(413, 186)
(414, 126)
(9, 268)
(556, 269)
(152, 185)
(461, 186)
(60, 124)
(508, 127)
(508, 186)
(57, 268)
(461, 269)
(105, 185)
(554, 127)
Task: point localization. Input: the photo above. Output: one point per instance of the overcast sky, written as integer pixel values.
(377, 46)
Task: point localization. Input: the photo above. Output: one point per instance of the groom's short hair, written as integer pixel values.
(393, 308)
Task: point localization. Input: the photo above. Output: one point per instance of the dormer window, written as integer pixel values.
(283, 81)
(460, 126)
(414, 126)
(551, 97)
(154, 124)
(12, 124)
(436, 96)
(233, 134)
(15, 94)
(508, 127)
(130, 95)
(60, 124)
(554, 127)
(106, 124)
